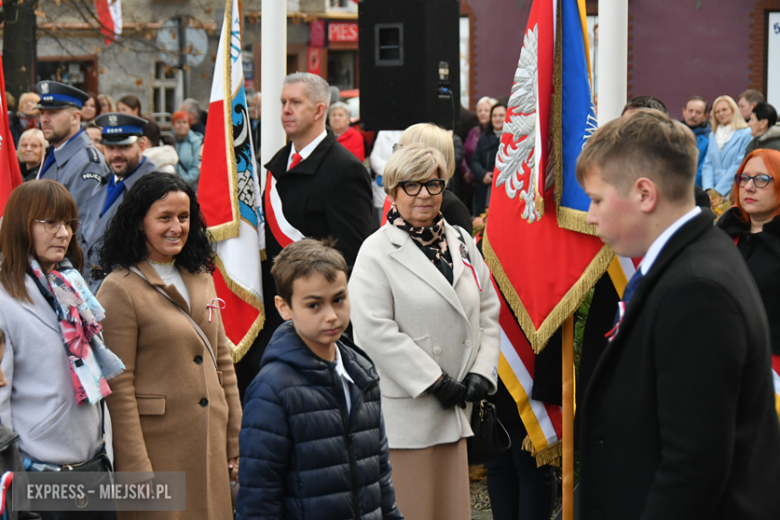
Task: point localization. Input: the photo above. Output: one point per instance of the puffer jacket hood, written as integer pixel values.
(304, 455)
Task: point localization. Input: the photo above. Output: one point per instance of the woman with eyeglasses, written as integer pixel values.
(424, 309)
(55, 361)
(753, 223)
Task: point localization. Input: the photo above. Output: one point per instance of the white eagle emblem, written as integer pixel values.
(516, 162)
(112, 119)
(44, 88)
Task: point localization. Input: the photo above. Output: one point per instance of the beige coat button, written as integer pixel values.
(437, 350)
(468, 343)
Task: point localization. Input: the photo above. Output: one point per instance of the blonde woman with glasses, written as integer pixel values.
(425, 311)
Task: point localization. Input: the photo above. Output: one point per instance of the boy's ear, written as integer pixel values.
(283, 308)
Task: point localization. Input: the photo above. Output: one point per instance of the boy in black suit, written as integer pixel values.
(678, 420)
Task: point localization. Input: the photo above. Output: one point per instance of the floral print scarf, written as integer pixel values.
(79, 315)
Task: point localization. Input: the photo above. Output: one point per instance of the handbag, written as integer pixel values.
(490, 437)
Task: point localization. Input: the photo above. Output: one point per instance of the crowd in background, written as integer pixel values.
(178, 149)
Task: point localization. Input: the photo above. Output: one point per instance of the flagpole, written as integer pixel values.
(273, 69)
(567, 373)
(612, 59)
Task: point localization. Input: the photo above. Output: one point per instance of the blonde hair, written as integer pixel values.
(111, 104)
(737, 121)
(491, 101)
(34, 133)
(435, 137)
(412, 162)
(26, 95)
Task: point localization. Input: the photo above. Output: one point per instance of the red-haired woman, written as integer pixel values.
(55, 361)
(754, 225)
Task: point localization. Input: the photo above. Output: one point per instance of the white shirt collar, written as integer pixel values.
(340, 370)
(308, 149)
(663, 238)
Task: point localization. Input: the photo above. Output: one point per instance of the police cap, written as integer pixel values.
(56, 95)
(119, 128)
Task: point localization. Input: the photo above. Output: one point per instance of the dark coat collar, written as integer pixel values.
(770, 235)
(287, 347)
(689, 232)
(278, 164)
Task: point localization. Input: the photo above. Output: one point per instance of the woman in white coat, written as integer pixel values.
(425, 311)
(728, 140)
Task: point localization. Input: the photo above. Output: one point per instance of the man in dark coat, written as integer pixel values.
(678, 420)
(322, 187)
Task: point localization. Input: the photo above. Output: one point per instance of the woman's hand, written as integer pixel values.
(449, 392)
(477, 387)
(488, 178)
(233, 468)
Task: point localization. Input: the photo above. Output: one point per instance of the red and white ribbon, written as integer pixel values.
(5, 484)
(621, 311)
(284, 232)
(216, 303)
(468, 264)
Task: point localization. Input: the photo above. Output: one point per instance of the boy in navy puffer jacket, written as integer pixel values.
(313, 442)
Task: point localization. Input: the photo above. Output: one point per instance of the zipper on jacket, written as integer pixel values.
(342, 400)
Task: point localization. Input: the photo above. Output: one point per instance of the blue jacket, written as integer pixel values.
(702, 133)
(189, 158)
(302, 455)
(720, 166)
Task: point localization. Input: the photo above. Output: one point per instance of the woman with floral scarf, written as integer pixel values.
(55, 361)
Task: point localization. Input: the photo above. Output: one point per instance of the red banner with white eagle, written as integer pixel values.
(543, 257)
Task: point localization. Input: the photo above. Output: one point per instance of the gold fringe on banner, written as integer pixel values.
(570, 302)
(239, 351)
(548, 456)
(228, 229)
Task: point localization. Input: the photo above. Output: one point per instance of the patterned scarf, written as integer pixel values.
(79, 315)
(431, 240)
(27, 122)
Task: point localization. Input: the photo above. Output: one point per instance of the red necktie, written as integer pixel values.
(295, 160)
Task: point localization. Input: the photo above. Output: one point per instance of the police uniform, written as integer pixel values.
(105, 198)
(77, 164)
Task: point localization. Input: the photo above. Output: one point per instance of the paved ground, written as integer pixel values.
(480, 515)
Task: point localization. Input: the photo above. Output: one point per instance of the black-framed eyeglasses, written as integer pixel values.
(413, 188)
(761, 180)
(53, 226)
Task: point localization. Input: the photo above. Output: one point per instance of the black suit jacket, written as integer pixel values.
(678, 421)
(326, 195)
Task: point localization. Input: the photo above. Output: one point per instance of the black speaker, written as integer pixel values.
(409, 63)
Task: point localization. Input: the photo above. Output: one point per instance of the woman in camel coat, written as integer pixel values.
(174, 408)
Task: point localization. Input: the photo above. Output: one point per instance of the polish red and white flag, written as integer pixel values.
(110, 16)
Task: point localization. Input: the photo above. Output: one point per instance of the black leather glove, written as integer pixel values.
(477, 387)
(448, 391)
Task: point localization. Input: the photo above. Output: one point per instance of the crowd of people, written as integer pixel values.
(177, 150)
(381, 341)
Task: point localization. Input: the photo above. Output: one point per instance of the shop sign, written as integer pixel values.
(343, 32)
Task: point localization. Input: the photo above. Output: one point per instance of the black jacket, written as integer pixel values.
(482, 162)
(678, 421)
(761, 252)
(327, 195)
(302, 455)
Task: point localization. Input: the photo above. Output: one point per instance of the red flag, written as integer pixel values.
(543, 256)
(10, 174)
(110, 17)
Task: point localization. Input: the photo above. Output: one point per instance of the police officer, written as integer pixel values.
(124, 148)
(71, 159)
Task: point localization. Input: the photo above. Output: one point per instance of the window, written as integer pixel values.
(168, 88)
